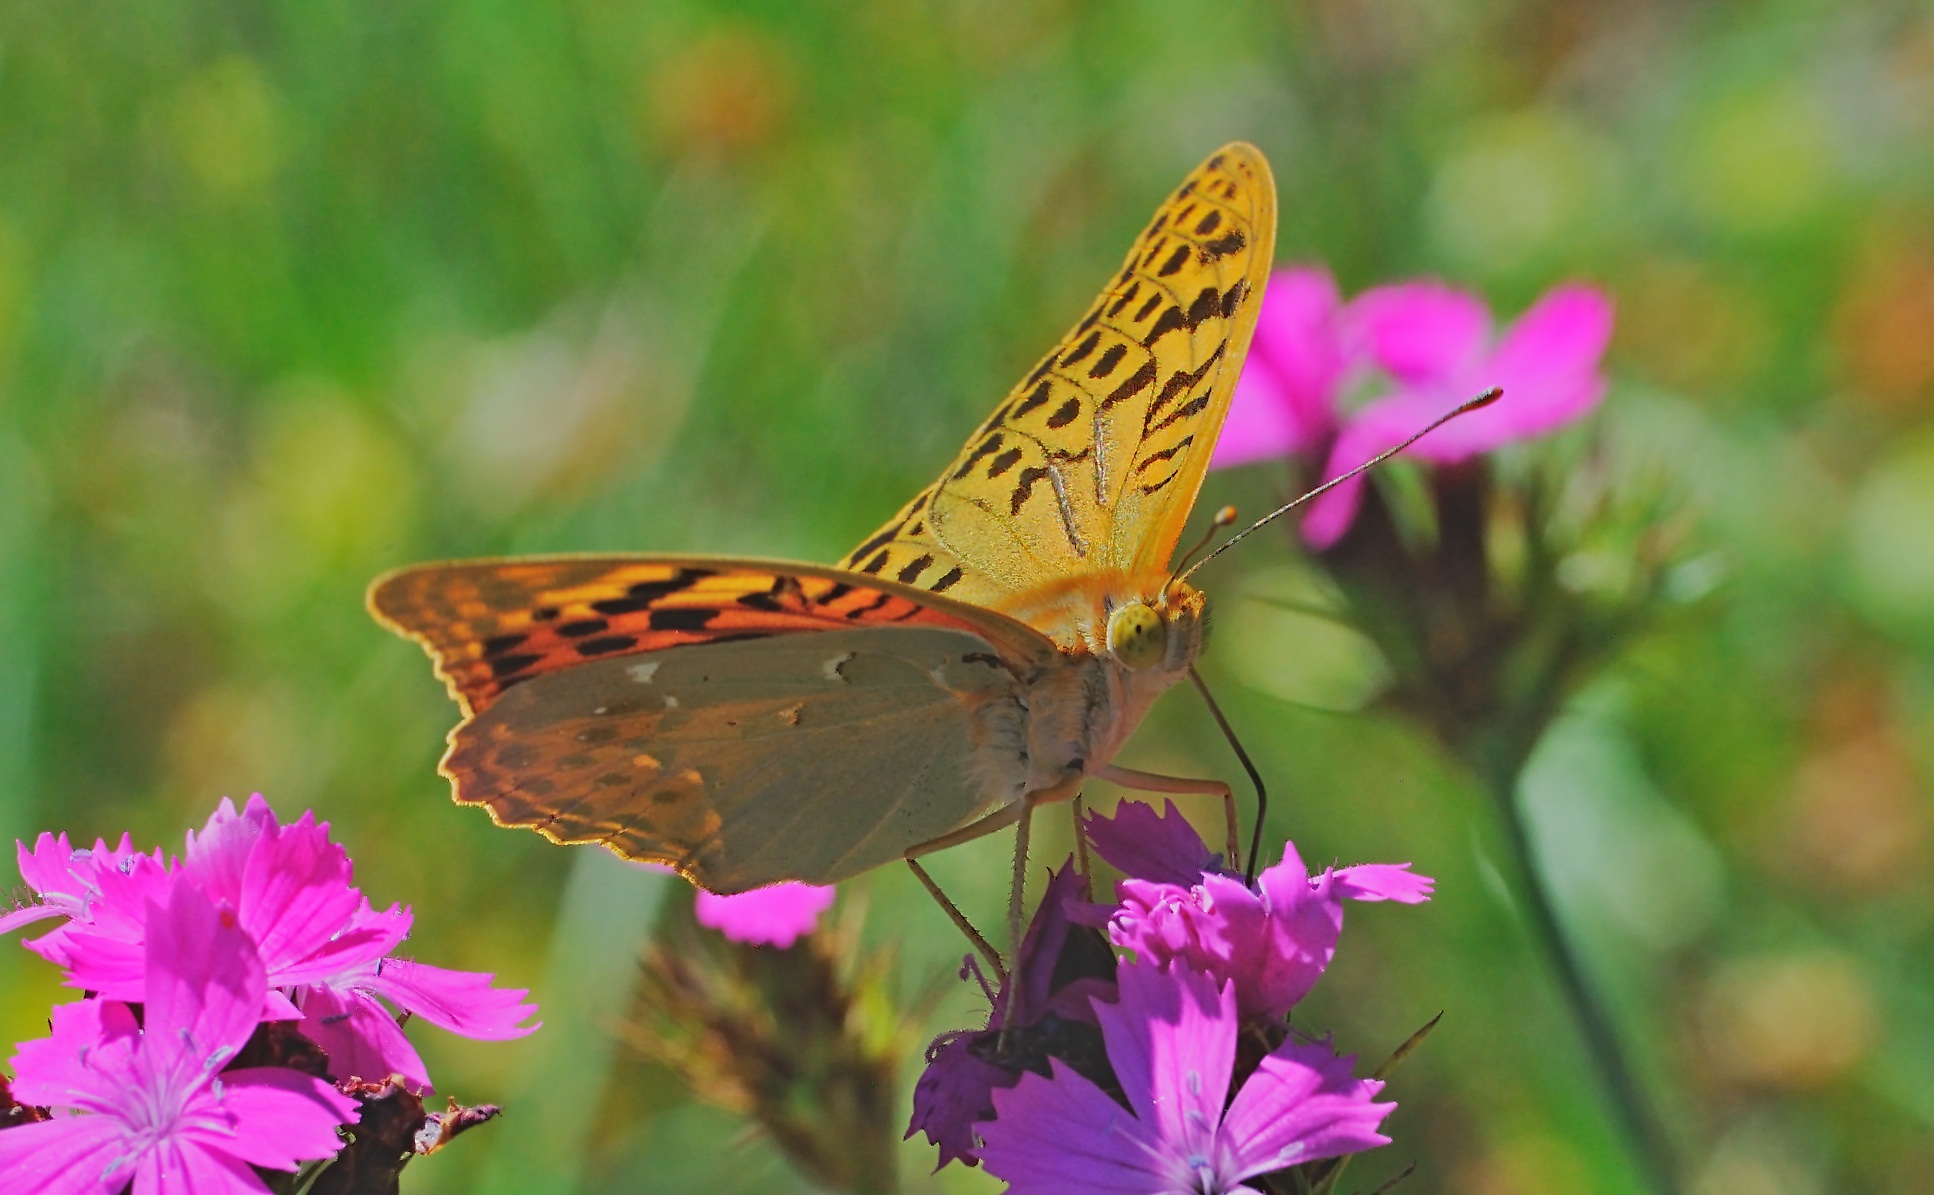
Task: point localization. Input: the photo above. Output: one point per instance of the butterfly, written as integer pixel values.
(986, 651)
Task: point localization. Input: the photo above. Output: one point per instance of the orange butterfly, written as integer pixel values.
(988, 650)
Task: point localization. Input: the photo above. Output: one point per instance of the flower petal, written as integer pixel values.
(955, 1090)
(205, 983)
(1065, 1136)
(1382, 881)
(772, 916)
(1548, 365)
(1302, 1104)
(79, 1062)
(1285, 400)
(459, 1001)
(287, 1117)
(1419, 332)
(360, 1036)
(1144, 845)
(66, 1156)
(1172, 1042)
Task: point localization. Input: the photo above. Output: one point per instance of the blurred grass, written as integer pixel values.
(291, 293)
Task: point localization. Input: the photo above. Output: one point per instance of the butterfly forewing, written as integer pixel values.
(1091, 464)
(806, 757)
(492, 624)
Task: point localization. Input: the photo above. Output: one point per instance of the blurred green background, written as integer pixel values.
(291, 293)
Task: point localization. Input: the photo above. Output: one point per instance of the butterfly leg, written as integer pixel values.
(997, 820)
(980, 944)
(1155, 782)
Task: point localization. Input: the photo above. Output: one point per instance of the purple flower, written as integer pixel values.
(772, 916)
(1061, 967)
(325, 950)
(1272, 941)
(1171, 1040)
(1417, 349)
(1141, 843)
(152, 1105)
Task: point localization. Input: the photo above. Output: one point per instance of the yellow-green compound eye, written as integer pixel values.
(1137, 636)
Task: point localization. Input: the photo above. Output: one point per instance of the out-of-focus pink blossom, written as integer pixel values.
(151, 1103)
(1413, 350)
(1171, 1042)
(773, 916)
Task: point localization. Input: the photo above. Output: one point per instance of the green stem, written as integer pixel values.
(1644, 1131)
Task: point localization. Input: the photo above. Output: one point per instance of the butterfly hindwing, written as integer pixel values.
(1091, 464)
(803, 757)
(492, 624)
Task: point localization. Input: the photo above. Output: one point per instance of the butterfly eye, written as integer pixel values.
(1137, 636)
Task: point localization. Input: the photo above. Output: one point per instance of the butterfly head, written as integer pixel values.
(1164, 635)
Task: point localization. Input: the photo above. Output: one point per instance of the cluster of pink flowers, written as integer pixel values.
(1340, 382)
(1106, 1074)
(256, 926)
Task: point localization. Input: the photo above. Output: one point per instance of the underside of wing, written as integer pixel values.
(493, 624)
(1092, 462)
(810, 757)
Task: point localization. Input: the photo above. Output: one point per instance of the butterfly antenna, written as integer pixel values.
(1248, 765)
(1481, 401)
(1223, 518)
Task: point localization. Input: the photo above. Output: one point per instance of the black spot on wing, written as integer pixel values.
(503, 666)
(1080, 351)
(1024, 486)
(1171, 319)
(989, 445)
(1066, 414)
(1126, 297)
(688, 618)
(607, 644)
(1036, 397)
(1229, 242)
(873, 566)
(948, 581)
(1147, 308)
(913, 568)
(1166, 454)
(497, 645)
(1105, 365)
(1209, 224)
(1136, 382)
(1174, 262)
(582, 627)
(1005, 461)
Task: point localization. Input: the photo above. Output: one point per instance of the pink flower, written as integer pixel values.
(152, 1104)
(1285, 400)
(103, 885)
(1272, 942)
(326, 951)
(1418, 349)
(1171, 1042)
(774, 916)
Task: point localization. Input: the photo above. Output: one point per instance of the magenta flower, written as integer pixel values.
(325, 950)
(1171, 1040)
(774, 916)
(1272, 942)
(1415, 350)
(151, 1104)
(1059, 970)
(110, 886)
